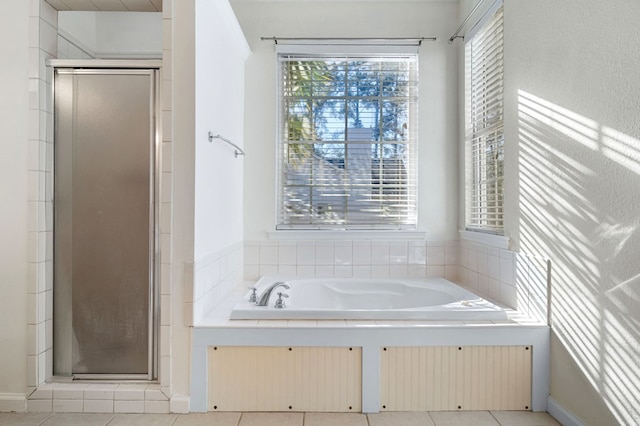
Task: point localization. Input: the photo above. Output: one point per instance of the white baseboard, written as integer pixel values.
(13, 402)
(179, 404)
(558, 412)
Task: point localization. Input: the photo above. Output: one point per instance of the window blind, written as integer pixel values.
(485, 128)
(347, 142)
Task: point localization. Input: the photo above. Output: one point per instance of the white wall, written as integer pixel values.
(437, 108)
(114, 34)
(220, 54)
(221, 51)
(572, 182)
(14, 187)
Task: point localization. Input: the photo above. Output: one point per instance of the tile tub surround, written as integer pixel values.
(351, 258)
(513, 279)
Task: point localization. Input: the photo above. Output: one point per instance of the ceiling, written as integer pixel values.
(108, 5)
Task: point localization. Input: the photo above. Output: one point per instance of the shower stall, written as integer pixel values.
(106, 185)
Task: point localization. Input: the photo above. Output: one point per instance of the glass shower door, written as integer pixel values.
(104, 230)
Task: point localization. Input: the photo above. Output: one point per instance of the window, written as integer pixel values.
(347, 142)
(485, 128)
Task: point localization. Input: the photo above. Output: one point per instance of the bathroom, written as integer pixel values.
(571, 166)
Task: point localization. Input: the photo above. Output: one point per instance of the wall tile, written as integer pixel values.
(287, 254)
(361, 271)
(435, 256)
(493, 266)
(128, 406)
(435, 270)
(158, 407)
(306, 255)
(398, 271)
(417, 254)
(251, 255)
(380, 254)
(324, 271)
(40, 405)
(342, 271)
(306, 271)
(343, 255)
(451, 272)
(451, 255)
(287, 270)
(417, 271)
(98, 406)
(324, 255)
(269, 255)
(507, 271)
(361, 253)
(67, 405)
(379, 271)
(126, 392)
(398, 253)
(268, 270)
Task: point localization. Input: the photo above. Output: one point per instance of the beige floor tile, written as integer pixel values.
(463, 418)
(23, 419)
(143, 419)
(524, 418)
(208, 419)
(271, 419)
(78, 419)
(416, 418)
(335, 419)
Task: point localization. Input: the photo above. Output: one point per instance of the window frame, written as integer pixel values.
(346, 53)
(484, 125)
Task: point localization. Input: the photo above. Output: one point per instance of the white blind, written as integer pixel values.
(485, 128)
(347, 149)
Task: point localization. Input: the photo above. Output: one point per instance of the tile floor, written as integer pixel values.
(439, 418)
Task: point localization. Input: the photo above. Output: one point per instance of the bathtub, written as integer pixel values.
(432, 298)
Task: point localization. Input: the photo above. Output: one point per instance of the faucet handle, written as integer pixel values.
(280, 303)
(253, 297)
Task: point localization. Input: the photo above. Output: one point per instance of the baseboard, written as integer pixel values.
(558, 412)
(179, 404)
(16, 402)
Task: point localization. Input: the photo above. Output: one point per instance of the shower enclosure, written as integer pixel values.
(105, 223)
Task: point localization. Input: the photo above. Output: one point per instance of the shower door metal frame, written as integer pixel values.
(153, 69)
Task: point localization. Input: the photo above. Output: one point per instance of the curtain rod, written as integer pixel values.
(455, 35)
(417, 40)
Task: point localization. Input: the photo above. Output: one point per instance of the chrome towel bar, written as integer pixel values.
(238, 150)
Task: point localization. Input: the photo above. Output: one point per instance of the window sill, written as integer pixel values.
(491, 240)
(346, 235)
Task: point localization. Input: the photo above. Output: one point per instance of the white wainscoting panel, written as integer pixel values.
(455, 378)
(284, 379)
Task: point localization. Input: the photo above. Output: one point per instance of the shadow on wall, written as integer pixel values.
(579, 185)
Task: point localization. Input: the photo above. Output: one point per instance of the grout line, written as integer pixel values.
(240, 419)
(45, 419)
(494, 417)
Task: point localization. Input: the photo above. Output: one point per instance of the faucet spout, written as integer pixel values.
(263, 300)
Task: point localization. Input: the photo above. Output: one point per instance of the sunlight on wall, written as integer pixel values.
(578, 184)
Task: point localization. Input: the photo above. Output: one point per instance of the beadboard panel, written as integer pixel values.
(284, 379)
(455, 378)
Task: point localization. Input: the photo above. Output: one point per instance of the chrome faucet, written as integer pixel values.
(263, 300)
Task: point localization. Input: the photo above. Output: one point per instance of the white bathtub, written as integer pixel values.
(370, 299)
